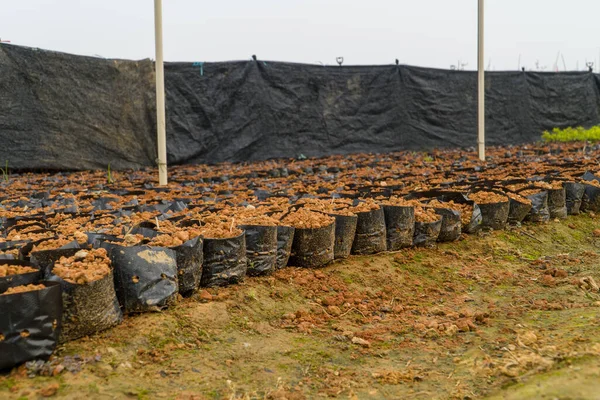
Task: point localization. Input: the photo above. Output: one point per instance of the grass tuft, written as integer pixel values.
(5, 172)
(109, 177)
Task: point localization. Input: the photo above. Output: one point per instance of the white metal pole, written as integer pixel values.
(480, 85)
(160, 96)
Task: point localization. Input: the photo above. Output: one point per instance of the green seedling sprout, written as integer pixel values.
(5, 172)
(109, 178)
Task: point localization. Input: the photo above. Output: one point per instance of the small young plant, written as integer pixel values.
(5, 172)
(109, 178)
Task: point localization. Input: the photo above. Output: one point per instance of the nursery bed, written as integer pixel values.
(140, 247)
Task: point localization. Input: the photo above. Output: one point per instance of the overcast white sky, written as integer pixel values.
(435, 33)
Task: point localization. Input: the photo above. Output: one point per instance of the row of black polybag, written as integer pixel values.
(145, 278)
(393, 227)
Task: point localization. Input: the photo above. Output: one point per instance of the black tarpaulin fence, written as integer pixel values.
(62, 111)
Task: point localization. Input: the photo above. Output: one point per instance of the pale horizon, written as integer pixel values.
(538, 35)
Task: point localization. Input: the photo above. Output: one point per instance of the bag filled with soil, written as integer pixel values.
(30, 323)
(10, 250)
(261, 248)
(345, 230)
(7, 223)
(370, 229)
(574, 196)
(494, 209)
(472, 223)
(519, 208)
(285, 238)
(45, 259)
(314, 238)
(539, 205)
(190, 257)
(19, 232)
(145, 277)
(345, 221)
(18, 273)
(45, 249)
(224, 260)
(427, 227)
(470, 214)
(591, 197)
(451, 219)
(90, 303)
(451, 224)
(557, 203)
(399, 225)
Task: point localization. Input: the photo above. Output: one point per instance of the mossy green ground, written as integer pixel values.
(500, 315)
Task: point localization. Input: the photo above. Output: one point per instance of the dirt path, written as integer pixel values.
(504, 314)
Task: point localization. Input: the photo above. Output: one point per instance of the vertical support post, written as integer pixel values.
(480, 84)
(160, 96)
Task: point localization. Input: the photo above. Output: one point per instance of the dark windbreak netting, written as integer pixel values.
(62, 111)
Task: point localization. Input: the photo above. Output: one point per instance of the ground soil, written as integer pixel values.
(507, 315)
(466, 210)
(518, 198)
(218, 228)
(306, 219)
(84, 267)
(426, 215)
(487, 198)
(22, 289)
(6, 269)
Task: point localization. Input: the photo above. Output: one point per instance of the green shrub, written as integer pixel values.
(578, 134)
